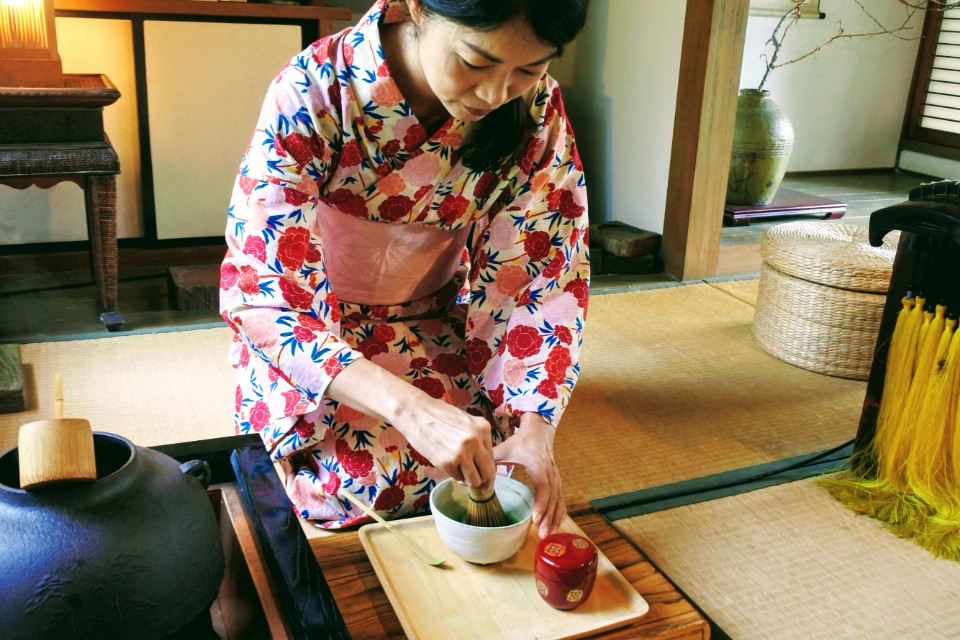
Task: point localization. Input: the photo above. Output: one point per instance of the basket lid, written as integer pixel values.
(830, 253)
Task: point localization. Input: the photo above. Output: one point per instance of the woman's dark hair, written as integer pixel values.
(500, 134)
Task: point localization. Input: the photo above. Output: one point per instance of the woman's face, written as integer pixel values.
(473, 72)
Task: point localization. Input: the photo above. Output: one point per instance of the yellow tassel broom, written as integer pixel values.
(916, 447)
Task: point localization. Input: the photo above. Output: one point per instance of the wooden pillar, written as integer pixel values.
(713, 35)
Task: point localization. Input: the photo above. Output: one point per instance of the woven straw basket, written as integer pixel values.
(822, 291)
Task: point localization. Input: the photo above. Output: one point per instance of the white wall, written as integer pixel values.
(847, 102)
(621, 97)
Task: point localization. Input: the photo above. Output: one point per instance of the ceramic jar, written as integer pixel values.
(565, 569)
(135, 554)
(762, 144)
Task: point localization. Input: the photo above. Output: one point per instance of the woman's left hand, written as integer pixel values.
(532, 447)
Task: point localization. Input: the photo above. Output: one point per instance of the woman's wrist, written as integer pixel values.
(535, 420)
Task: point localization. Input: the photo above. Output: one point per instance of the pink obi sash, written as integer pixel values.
(382, 263)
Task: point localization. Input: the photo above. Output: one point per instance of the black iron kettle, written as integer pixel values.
(130, 551)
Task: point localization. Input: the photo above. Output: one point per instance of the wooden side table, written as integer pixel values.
(51, 135)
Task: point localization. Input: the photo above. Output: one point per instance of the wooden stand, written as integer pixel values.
(786, 203)
(48, 136)
(289, 580)
(361, 601)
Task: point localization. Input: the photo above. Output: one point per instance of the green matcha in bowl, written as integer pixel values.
(482, 545)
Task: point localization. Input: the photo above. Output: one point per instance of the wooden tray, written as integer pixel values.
(460, 600)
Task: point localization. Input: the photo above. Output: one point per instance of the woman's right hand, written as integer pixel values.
(456, 442)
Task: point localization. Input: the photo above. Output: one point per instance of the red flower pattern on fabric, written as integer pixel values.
(384, 333)
(294, 197)
(332, 366)
(350, 155)
(291, 399)
(295, 296)
(478, 355)
(302, 334)
(332, 485)
(255, 247)
(580, 289)
(524, 341)
(557, 363)
(302, 148)
(389, 498)
(259, 415)
(547, 388)
(247, 184)
(416, 134)
(563, 334)
(419, 457)
(431, 386)
(395, 208)
(249, 281)
(349, 202)
(452, 208)
(292, 247)
(356, 463)
(229, 274)
(555, 268)
(537, 245)
(451, 364)
(311, 323)
(485, 185)
(305, 429)
(371, 347)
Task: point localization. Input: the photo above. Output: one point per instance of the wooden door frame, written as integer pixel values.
(710, 61)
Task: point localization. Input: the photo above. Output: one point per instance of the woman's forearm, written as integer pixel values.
(453, 440)
(371, 389)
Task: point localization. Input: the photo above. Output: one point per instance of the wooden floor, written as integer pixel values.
(61, 304)
(863, 192)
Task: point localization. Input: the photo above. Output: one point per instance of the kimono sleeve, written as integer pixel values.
(528, 308)
(274, 292)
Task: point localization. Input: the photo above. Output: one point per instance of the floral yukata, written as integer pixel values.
(336, 145)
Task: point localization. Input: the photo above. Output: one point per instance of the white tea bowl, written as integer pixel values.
(482, 545)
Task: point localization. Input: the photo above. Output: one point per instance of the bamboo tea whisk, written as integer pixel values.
(58, 450)
(484, 509)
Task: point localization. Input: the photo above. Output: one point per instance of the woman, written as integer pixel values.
(407, 269)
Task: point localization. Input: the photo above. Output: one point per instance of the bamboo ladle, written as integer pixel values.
(58, 450)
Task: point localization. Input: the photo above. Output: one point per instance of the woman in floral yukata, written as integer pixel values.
(407, 269)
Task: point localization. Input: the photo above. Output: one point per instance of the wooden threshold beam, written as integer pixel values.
(713, 36)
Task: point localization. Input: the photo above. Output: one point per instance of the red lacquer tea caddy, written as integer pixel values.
(565, 569)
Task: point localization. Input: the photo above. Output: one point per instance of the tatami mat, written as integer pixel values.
(790, 563)
(153, 389)
(745, 290)
(674, 387)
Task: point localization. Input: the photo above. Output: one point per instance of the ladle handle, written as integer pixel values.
(58, 396)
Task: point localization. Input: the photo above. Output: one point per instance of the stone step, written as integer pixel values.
(11, 379)
(195, 287)
(624, 240)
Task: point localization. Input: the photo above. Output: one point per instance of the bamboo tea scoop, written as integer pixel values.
(58, 450)
(410, 544)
